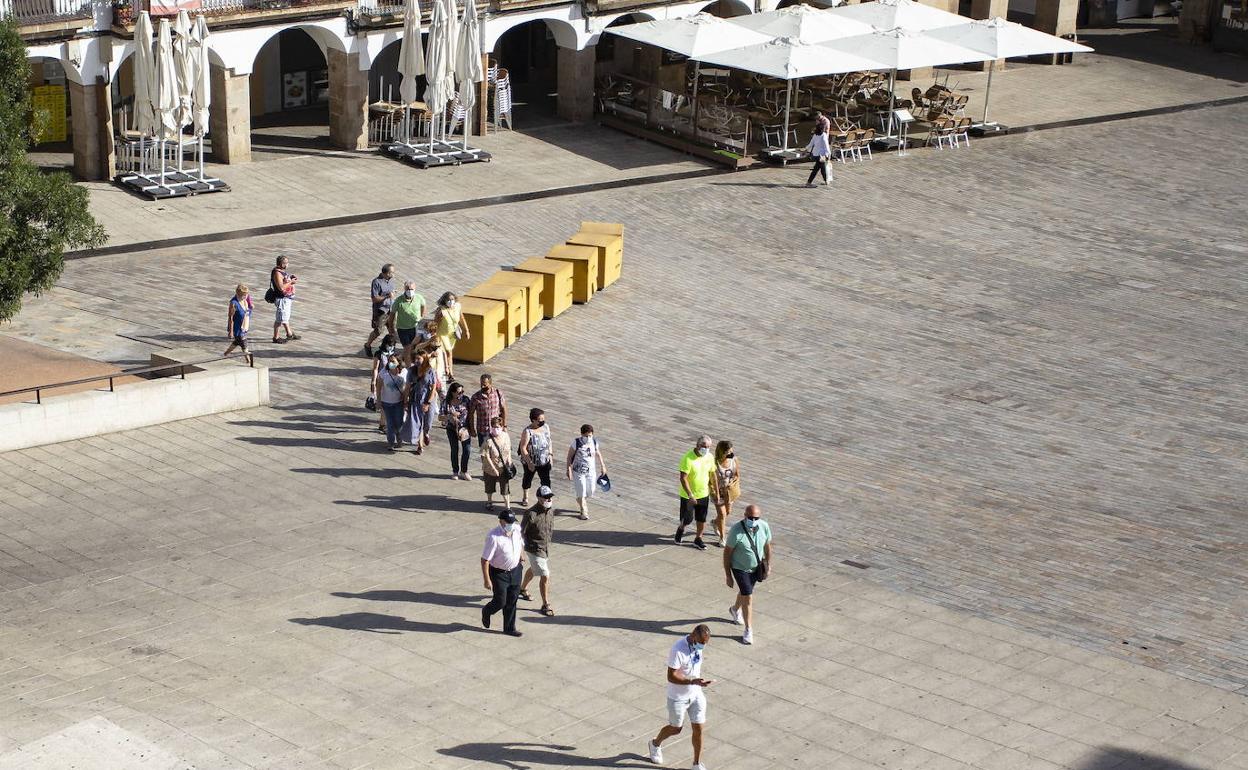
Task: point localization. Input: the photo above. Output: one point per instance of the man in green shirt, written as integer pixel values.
(408, 309)
(747, 560)
(696, 467)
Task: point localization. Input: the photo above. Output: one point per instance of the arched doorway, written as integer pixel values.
(383, 75)
(289, 96)
(811, 3)
(726, 9)
(52, 147)
(529, 54)
(611, 49)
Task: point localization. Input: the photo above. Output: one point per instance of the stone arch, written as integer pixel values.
(565, 34)
(728, 8)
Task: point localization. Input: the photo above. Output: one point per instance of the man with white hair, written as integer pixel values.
(406, 313)
(696, 467)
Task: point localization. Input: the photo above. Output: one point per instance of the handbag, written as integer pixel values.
(760, 574)
(507, 469)
(370, 404)
(270, 296)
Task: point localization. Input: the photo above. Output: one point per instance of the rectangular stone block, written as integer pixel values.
(515, 312)
(487, 329)
(532, 284)
(556, 275)
(610, 248)
(584, 261)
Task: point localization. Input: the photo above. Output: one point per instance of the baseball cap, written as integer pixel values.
(545, 491)
(507, 516)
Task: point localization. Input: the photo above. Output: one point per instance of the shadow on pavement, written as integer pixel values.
(428, 503)
(1113, 758)
(375, 623)
(372, 447)
(671, 627)
(602, 538)
(419, 597)
(522, 756)
(372, 473)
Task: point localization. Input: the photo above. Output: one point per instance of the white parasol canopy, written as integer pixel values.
(411, 52)
(452, 32)
(439, 67)
(165, 102)
(788, 59)
(184, 67)
(468, 69)
(144, 77)
(890, 14)
(693, 36)
(903, 49)
(802, 23)
(202, 91)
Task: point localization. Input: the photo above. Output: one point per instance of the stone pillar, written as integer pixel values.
(229, 116)
(1057, 17)
(575, 74)
(483, 97)
(348, 101)
(1196, 20)
(90, 118)
(988, 9)
(105, 128)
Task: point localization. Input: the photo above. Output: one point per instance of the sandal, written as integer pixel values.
(526, 596)
(489, 506)
(547, 610)
(293, 337)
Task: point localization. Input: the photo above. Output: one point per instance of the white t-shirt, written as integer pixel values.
(584, 458)
(688, 662)
(392, 385)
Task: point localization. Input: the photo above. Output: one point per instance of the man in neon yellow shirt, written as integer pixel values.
(696, 467)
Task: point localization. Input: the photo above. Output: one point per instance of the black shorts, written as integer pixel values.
(406, 336)
(379, 319)
(240, 340)
(745, 580)
(693, 510)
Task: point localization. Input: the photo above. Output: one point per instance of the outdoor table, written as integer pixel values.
(532, 284)
(556, 283)
(515, 314)
(584, 260)
(487, 325)
(610, 248)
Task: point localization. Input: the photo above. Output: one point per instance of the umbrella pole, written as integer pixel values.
(788, 97)
(467, 120)
(988, 91)
(892, 99)
(160, 152)
(201, 157)
(697, 71)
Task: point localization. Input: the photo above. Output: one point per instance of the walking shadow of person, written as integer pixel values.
(416, 597)
(375, 623)
(1114, 758)
(523, 756)
(672, 627)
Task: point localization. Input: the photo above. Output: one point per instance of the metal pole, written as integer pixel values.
(788, 96)
(892, 98)
(987, 91)
(697, 71)
(467, 120)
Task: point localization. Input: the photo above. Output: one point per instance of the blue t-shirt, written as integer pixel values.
(238, 315)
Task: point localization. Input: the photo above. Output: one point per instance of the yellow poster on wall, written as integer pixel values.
(49, 103)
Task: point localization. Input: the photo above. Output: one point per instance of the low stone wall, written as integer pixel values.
(220, 387)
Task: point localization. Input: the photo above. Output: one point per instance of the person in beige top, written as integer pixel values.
(497, 465)
(725, 486)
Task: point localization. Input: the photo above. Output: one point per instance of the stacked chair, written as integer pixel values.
(513, 301)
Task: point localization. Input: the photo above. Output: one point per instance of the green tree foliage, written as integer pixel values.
(41, 215)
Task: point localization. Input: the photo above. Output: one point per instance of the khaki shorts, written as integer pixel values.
(539, 564)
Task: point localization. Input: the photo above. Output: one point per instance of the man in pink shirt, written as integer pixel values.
(502, 568)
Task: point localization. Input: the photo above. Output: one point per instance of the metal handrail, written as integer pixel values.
(181, 367)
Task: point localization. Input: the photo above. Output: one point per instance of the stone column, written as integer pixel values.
(575, 75)
(483, 97)
(987, 9)
(348, 101)
(229, 116)
(89, 116)
(1057, 17)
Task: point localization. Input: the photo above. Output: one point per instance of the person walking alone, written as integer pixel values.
(584, 465)
(502, 565)
(725, 487)
(696, 467)
(819, 150)
(686, 694)
(455, 411)
(497, 468)
(747, 561)
(535, 453)
(393, 391)
(537, 528)
(383, 294)
(282, 283)
(238, 321)
(407, 310)
(451, 328)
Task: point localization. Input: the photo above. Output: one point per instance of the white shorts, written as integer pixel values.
(694, 706)
(539, 565)
(583, 485)
(283, 310)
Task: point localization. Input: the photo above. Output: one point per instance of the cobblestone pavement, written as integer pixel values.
(1003, 379)
(1133, 69)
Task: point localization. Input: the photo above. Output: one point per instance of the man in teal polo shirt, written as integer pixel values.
(696, 467)
(747, 560)
(408, 309)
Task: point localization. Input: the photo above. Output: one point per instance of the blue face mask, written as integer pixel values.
(751, 523)
(697, 646)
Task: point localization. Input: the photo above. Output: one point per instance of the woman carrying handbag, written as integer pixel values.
(725, 486)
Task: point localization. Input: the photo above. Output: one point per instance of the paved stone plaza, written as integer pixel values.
(1005, 381)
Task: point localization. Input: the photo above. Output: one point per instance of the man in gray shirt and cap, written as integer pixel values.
(536, 528)
(383, 294)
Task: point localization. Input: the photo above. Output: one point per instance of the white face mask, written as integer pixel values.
(702, 451)
(547, 504)
(509, 528)
(410, 294)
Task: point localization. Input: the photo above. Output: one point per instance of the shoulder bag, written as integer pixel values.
(760, 574)
(506, 468)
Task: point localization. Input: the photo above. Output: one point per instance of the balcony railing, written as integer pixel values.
(230, 7)
(28, 12)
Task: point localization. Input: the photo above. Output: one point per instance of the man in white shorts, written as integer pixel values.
(685, 694)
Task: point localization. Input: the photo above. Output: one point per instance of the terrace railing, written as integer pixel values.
(28, 12)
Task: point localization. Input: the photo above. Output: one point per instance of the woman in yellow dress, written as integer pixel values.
(451, 328)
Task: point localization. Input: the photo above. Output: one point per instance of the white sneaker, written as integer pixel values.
(655, 752)
(736, 615)
(748, 636)
(699, 766)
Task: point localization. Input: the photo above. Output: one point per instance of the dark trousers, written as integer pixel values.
(506, 594)
(459, 450)
(542, 471)
(821, 167)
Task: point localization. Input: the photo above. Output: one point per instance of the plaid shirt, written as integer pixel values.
(485, 407)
